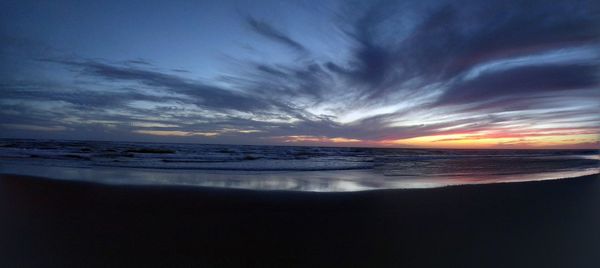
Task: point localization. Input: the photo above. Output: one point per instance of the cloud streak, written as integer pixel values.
(270, 32)
(520, 82)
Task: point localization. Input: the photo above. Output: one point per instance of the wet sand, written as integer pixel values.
(51, 223)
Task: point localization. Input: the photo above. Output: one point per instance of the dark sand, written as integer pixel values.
(49, 223)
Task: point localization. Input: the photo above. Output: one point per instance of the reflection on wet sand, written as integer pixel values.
(316, 181)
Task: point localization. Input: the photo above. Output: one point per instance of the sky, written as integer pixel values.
(426, 74)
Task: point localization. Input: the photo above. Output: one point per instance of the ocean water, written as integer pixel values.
(286, 167)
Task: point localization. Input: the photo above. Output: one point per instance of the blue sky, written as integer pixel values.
(499, 74)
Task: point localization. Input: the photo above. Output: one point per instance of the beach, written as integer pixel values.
(375, 134)
(58, 223)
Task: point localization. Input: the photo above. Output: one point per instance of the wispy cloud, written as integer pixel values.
(270, 32)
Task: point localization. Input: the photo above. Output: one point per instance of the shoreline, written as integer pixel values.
(219, 188)
(354, 180)
(59, 223)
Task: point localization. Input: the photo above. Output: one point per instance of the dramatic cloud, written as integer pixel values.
(522, 81)
(372, 73)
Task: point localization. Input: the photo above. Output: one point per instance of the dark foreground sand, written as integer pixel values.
(48, 223)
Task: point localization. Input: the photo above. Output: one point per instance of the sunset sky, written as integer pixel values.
(447, 74)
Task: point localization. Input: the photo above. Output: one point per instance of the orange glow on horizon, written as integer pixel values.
(480, 141)
(556, 138)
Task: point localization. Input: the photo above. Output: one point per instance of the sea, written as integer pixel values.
(286, 168)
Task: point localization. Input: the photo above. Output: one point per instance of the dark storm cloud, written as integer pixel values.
(526, 27)
(453, 37)
(522, 81)
(374, 60)
(269, 31)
